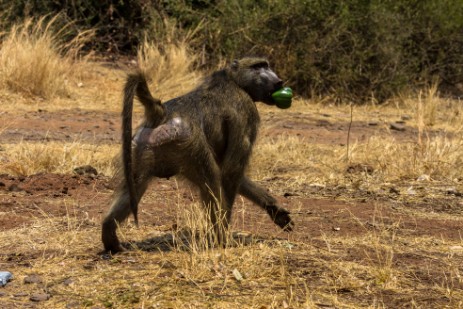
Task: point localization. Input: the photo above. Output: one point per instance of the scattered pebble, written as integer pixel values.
(397, 127)
(86, 170)
(424, 177)
(5, 276)
(288, 194)
(411, 191)
(317, 185)
(39, 297)
(360, 168)
(237, 275)
(32, 279)
(456, 248)
(406, 117)
(453, 191)
(323, 123)
(14, 188)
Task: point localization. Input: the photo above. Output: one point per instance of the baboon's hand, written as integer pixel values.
(281, 218)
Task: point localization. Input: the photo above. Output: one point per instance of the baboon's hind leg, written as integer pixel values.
(118, 213)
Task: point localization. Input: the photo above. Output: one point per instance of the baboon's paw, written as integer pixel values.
(283, 220)
(113, 250)
(281, 217)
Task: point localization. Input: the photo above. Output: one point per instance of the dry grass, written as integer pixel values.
(345, 272)
(35, 63)
(170, 68)
(385, 253)
(55, 157)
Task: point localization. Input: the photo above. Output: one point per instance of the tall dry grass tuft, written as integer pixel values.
(55, 157)
(33, 61)
(170, 67)
(438, 156)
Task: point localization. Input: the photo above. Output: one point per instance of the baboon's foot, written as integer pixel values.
(113, 248)
(108, 236)
(281, 217)
(107, 253)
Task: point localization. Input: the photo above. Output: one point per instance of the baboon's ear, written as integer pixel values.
(235, 64)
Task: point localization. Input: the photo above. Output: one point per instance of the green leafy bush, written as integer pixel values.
(350, 49)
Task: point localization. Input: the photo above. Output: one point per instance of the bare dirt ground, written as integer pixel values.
(323, 214)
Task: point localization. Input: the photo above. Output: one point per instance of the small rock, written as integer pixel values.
(336, 229)
(288, 194)
(454, 191)
(406, 117)
(424, 177)
(456, 248)
(85, 170)
(323, 123)
(73, 304)
(411, 191)
(237, 275)
(397, 127)
(2, 294)
(33, 279)
(14, 188)
(20, 294)
(39, 297)
(373, 123)
(360, 168)
(68, 281)
(5, 276)
(318, 186)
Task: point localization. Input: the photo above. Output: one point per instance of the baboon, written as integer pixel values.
(206, 135)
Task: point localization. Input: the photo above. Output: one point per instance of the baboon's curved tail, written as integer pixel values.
(154, 114)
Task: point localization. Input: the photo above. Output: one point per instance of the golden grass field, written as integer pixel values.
(378, 211)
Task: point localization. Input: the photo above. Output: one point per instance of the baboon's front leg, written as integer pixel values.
(262, 198)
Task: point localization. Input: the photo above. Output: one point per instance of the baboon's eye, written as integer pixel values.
(260, 65)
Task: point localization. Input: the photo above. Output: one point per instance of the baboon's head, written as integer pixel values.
(256, 78)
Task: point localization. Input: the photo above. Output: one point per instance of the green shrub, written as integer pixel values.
(350, 49)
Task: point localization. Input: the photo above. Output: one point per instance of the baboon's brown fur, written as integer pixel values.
(206, 136)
